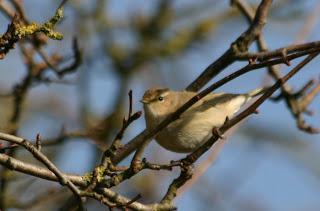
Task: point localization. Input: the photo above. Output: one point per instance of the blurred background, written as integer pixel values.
(265, 164)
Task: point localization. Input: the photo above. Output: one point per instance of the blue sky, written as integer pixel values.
(267, 172)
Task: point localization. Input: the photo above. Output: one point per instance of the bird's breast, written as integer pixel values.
(187, 133)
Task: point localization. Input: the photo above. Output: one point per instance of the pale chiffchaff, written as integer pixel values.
(195, 125)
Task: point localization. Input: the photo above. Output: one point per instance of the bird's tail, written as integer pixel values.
(238, 100)
(258, 91)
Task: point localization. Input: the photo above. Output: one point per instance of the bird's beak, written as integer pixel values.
(143, 101)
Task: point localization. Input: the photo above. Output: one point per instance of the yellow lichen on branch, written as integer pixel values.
(47, 28)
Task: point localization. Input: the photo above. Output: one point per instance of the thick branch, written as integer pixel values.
(33, 170)
(37, 171)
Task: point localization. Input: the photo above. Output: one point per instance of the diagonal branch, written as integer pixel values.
(295, 101)
(241, 44)
(145, 135)
(30, 169)
(37, 171)
(43, 159)
(194, 156)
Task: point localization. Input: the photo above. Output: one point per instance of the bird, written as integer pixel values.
(194, 126)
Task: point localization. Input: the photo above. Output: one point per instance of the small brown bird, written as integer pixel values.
(195, 125)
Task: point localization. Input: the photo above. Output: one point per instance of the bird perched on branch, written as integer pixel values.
(195, 125)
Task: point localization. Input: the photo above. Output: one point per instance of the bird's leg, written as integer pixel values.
(217, 132)
(226, 120)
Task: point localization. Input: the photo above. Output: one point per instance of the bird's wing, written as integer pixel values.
(226, 103)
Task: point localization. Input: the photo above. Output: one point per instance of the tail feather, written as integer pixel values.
(234, 102)
(258, 91)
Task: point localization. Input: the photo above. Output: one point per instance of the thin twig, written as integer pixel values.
(42, 158)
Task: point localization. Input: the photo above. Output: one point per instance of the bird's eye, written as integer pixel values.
(160, 98)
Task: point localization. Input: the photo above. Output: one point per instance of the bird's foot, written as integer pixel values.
(217, 132)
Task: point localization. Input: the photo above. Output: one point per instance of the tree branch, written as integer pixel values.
(194, 156)
(241, 44)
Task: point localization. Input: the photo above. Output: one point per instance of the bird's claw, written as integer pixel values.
(217, 132)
